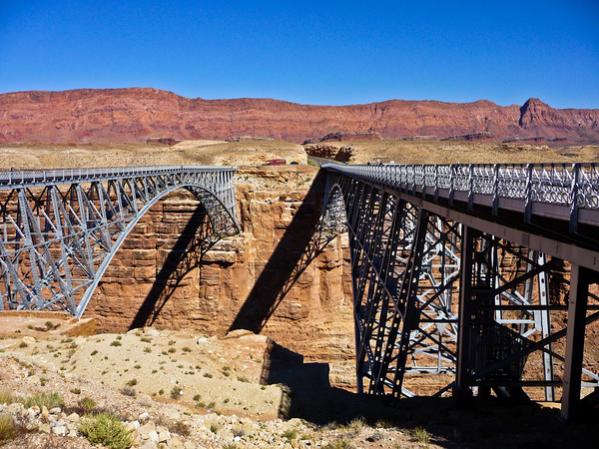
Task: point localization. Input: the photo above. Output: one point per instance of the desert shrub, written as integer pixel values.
(290, 434)
(76, 390)
(384, 424)
(49, 400)
(186, 349)
(238, 431)
(176, 392)
(214, 427)
(50, 326)
(107, 430)
(339, 444)
(116, 343)
(230, 446)
(179, 427)
(128, 391)
(94, 352)
(87, 404)
(23, 345)
(6, 396)
(421, 435)
(197, 397)
(8, 429)
(132, 383)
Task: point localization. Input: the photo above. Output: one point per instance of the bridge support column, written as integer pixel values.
(577, 307)
(462, 390)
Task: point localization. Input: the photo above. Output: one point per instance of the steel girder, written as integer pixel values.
(60, 229)
(405, 264)
(433, 296)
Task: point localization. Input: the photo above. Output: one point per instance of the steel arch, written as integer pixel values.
(62, 228)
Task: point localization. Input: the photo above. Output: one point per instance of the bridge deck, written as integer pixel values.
(515, 245)
(559, 191)
(31, 178)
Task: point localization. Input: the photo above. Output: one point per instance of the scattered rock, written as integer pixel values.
(28, 340)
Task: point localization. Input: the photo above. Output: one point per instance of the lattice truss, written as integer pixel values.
(58, 237)
(515, 321)
(406, 279)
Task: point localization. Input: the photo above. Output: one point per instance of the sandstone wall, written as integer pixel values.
(155, 278)
(134, 115)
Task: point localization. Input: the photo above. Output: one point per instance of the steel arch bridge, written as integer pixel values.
(477, 274)
(60, 229)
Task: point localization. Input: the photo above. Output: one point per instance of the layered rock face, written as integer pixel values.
(133, 115)
(156, 279)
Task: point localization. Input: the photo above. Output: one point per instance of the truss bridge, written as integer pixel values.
(472, 279)
(467, 279)
(59, 229)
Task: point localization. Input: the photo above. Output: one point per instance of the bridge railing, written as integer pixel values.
(10, 179)
(566, 189)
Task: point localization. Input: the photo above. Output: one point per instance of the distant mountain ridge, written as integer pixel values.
(139, 114)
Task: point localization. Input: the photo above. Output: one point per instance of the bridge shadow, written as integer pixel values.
(185, 256)
(489, 423)
(303, 240)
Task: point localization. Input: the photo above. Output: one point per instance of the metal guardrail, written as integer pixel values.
(25, 178)
(560, 191)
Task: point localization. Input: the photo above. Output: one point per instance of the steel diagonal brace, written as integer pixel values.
(49, 260)
(409, 289)
(13, 278)
(373, 298)
(62, 216)
(33, 256)
(532, 346)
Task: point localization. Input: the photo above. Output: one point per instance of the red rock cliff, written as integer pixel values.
(128, 115)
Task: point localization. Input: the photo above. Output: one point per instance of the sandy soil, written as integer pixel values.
(223, 374)
(446, 152)
(194, 152)
(332, 419)
(252, 152)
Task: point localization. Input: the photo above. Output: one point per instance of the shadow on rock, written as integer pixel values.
(490, 423)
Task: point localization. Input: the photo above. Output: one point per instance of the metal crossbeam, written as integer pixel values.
(463, 270)
(60, 229)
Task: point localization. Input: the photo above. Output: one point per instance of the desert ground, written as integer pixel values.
(252, 152)
(452, 152)
(171, 389)
(196, 152)
(180, 389)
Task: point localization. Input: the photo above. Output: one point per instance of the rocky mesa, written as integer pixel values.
(141, 114)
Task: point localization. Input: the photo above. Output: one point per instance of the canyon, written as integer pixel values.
(143, 114)
(157, 278)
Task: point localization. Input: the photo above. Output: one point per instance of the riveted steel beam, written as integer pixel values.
(61, 228)
(492, 237)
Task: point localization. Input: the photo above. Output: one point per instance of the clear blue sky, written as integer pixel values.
(324, 52)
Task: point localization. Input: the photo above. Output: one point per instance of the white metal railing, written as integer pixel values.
(571, 186)
(11, 179)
